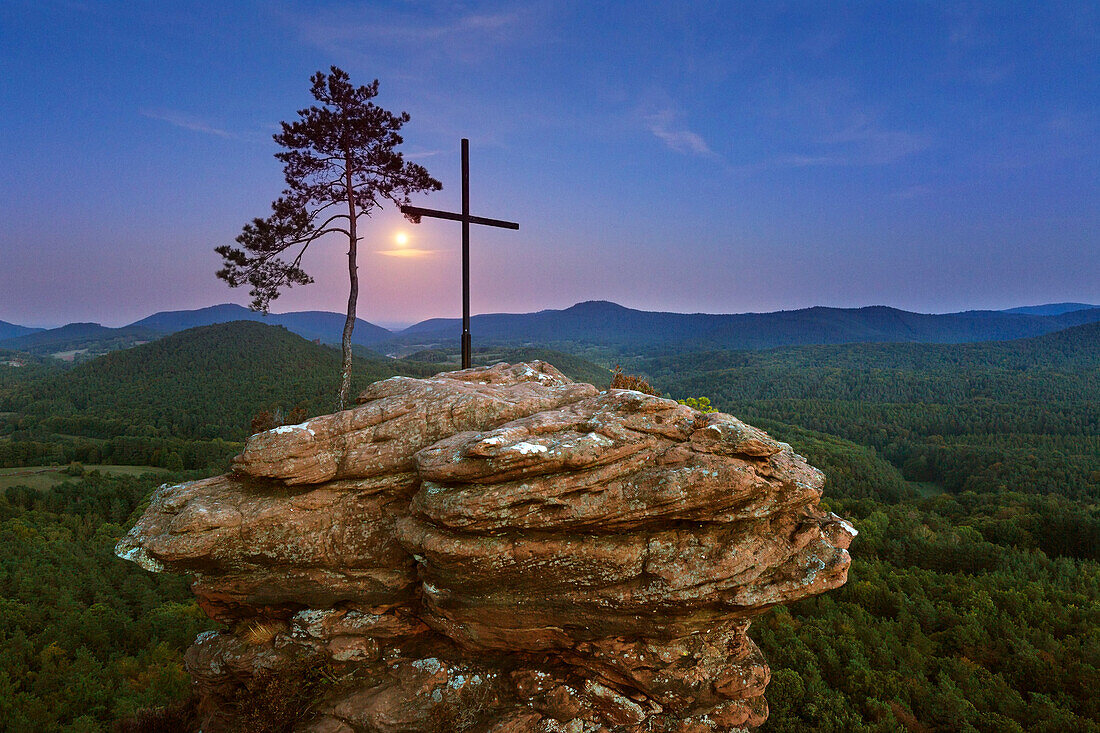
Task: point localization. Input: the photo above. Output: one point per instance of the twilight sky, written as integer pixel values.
(717, 157)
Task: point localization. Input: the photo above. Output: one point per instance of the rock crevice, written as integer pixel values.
(499, 549)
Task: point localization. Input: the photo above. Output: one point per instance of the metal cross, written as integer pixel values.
(467, 220)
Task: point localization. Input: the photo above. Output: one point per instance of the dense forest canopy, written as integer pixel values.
(972, 472)
(1011, 416)
(194, 394)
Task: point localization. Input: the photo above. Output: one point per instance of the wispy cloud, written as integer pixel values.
(422, 154)
(408, 30)
(185, 121)
(408, 252)
(667, 127)
(867, 143)
(468, 36)
(473, 24)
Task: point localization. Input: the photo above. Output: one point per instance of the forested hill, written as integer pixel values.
(611, 325)
(11, 330)
(1017, 416)
(80, 336)
(1077, 347)
(324, 326)
(1051, 309)
(207, 383)
(202, 383)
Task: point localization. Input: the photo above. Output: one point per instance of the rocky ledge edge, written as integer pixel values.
(497, 549)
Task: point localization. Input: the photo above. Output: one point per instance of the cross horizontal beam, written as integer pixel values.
(436, 214)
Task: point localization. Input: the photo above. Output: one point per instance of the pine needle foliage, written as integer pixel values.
(340, 163)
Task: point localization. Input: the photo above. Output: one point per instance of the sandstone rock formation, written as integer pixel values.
(498, 549)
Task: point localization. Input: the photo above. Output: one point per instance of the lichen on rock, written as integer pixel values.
(499, 549)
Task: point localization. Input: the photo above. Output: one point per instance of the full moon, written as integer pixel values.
(401, 238)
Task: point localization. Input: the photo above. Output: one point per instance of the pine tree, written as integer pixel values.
(340, 164)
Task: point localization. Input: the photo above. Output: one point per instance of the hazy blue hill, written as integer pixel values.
(583, 321)
(79, 336)
(173, 321)
(329, 327)
(323, 325)
(11, 330)
(883, 324)
(46, 336)
(612, 325)
(1051, 309)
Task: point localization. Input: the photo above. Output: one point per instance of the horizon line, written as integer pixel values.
(1082, 306)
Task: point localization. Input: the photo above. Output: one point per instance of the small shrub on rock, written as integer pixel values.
(619, 380)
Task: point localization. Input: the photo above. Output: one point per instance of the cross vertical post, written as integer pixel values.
(415, 212)
(466, 345)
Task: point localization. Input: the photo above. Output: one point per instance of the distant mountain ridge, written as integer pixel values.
(1051, 309)
(602, 322)
(594, 324)
(79, 336)
(323, 325)
(11, 330)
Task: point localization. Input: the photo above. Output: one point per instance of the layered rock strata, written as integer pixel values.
(499, 549)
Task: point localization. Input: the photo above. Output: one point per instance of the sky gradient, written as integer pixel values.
(714, 157)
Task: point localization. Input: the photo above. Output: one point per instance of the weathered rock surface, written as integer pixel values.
(399, 416)
(502, 550)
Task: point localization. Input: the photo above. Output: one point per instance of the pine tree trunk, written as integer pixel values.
(353, 293)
